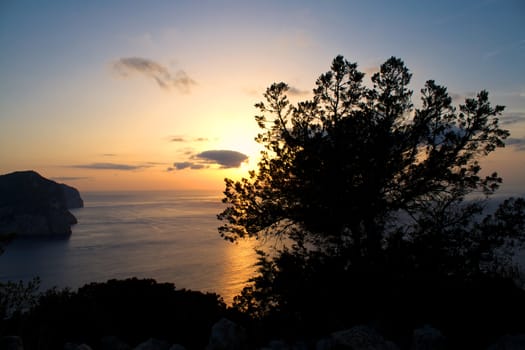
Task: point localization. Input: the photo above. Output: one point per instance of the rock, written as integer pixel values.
(153, 344)
(226, 335)
(357, 338)
(428, 338)
(83, 347)
(113, 343)
(72, 197)
(11, 343)
(509, 342)
(283, 345)
(177, 347)
(276, 345)
(71, 346)
(326, 343)
(31, 205)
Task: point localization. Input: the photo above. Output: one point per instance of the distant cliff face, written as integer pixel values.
(72, 197)
(31, 205)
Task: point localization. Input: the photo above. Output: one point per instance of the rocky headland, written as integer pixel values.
(33, 206)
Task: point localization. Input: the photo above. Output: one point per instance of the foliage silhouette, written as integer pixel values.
(134, 310)
(5, 239)
(370, 194)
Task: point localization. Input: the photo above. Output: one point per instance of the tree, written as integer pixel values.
(357, 178)
(5, 239)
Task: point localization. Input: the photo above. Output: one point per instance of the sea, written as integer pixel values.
(170, 236)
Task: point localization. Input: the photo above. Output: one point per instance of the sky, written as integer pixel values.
(152, 95)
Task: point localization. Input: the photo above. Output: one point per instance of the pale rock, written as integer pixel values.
(113, 343)
(71, 346)
(153, 344)
(226, 335)
(428, 338)
(362, 338)
(177, 347)
(509, 342)
(11, 343)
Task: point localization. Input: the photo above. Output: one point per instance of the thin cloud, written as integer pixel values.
(457, 98)
(252, 91)
(181, 165)
(517, 143)
(187, 165)
(183, 139)
(507, 48)
(460, 98)
(110, 166)
(513, 118)
(297, 39)
(70, 178)
(293, 91)
(489, 54)
(163, 77)
(155, 163)
(371, 70)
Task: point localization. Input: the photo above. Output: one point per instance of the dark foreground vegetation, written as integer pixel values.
(378, 214)
(132, 310)
(122, 314)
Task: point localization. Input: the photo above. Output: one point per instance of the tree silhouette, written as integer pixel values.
(5, 239)
(359, 179)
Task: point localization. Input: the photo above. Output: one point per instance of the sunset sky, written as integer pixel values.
(139, 95)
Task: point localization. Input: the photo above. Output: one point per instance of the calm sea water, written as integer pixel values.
(168, 236)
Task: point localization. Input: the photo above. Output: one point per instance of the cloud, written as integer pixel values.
(296, 39)
(513, 118)
(457, 98)
(144, 40)
(489, 54)
(371, 70)
(155, 163)
(518, 143)
(508, 48)
(183, 139)
(186, 165)
(70, 178)
(151, 69)
(252, 91)
(182, 165)
(224, 159)
(293, 91)
(110, 166)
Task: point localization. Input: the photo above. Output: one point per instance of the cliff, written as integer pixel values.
(31, 205)
(72, 197)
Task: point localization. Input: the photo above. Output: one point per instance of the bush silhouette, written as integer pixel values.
(133, 310)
